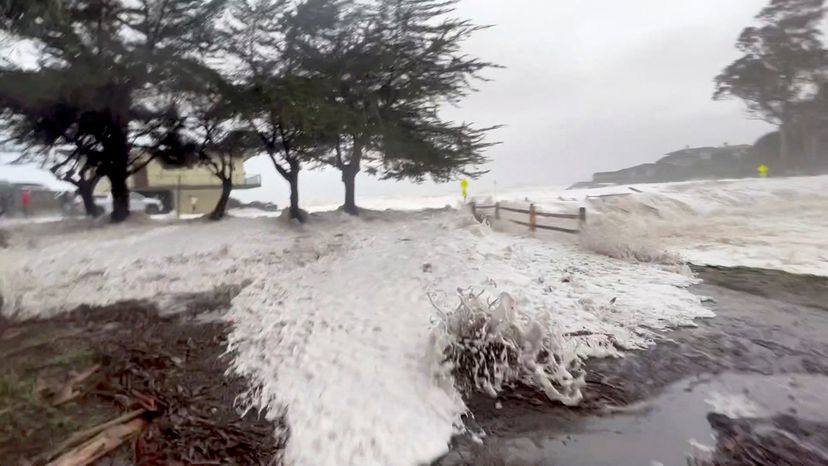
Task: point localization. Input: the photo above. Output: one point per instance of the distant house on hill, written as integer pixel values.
(685, 164)
(192, 189)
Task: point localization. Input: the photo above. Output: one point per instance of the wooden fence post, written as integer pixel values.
(581, 218)
(497, 211)
(532, 217)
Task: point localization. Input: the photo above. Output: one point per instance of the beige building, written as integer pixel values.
(193, 190)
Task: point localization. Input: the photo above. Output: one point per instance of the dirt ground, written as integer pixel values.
(66, 374)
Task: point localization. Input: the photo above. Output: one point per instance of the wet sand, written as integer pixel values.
(744, 387)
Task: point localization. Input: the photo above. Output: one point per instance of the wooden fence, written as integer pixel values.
(480, 211)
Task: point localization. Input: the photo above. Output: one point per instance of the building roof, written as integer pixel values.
(30, 174)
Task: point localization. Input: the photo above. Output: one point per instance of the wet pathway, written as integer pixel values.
(748, 386)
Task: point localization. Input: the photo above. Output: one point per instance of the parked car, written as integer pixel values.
(137, 203)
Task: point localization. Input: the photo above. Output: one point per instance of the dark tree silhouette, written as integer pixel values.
(782, 64)
(53, 131)
(389, 64)
(118, 64)
(224, 139)
(277, 101)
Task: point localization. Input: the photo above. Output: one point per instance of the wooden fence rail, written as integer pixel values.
(533, 216)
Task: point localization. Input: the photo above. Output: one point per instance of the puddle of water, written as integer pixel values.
(660, 432)
(761, 359)
(666, 430)
(743, 395)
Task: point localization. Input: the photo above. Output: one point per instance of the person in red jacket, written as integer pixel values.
(25, 201)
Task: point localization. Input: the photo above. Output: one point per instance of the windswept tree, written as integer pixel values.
(277, 101)
(782, 64)
(53, 123)
(224, 140)
(811, 122)
(66, 164)
(281, 113)
(427, 146)
(221, 155)
(390, 64)
(115, 62)
(53, 131)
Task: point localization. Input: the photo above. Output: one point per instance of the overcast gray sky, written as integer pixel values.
(589, 85)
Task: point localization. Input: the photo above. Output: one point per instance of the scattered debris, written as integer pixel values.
(782, 439)
(101, 444)
(86, 434)
(10, 333)
(68, 391)
(98, 377)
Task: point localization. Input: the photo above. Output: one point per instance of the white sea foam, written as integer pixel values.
(335, 328)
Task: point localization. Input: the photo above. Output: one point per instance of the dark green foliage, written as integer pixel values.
(338, 82)
(223, 140)
(388, 65)
(782, 67)
(781, 61)
(441, 150)
(108, 76)
(276, 99)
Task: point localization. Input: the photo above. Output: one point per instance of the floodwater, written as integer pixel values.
(748, 386)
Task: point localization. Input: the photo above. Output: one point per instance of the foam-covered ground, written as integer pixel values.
(775, 223)
(335, 326)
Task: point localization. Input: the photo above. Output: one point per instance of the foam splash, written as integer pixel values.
(621, 237)
(490, 347)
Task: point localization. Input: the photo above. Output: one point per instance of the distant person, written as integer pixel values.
(26, 201)
(193, 203)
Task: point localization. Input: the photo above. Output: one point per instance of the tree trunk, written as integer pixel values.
(349, 173)
(221, 206)
(783, 147)
(349, 180)
(291, 175)
(293, 179)
(86, 188)
(120, 196)
(118, 173)
(812, 148)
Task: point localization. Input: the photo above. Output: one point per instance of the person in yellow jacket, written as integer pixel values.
(762, 170)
